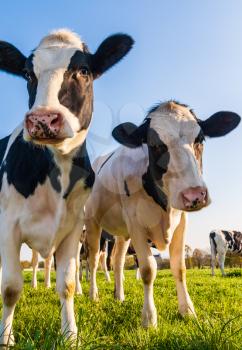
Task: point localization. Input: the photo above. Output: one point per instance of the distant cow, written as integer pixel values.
(222, 241)
(45, 174)
(143, 189)
(107, 242)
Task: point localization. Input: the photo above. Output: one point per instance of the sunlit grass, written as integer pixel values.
(109, 324)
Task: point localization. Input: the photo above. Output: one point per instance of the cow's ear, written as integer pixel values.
(111, 51)
(11, 59)
(220, 124)
(130, 135)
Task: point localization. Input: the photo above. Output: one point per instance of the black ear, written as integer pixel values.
(130, 135)
(220, 124)
(11, 59)
(111, 50)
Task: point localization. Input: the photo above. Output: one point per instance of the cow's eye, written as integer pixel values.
(84, 71)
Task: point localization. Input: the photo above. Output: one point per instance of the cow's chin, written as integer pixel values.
(178, 204)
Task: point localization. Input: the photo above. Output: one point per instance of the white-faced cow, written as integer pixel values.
(222, 241)
(46, 174)
(143, 190)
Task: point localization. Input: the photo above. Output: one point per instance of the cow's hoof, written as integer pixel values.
(78, 292)
(94, 295)
(6, 342)
(187, 310)
(149, 318)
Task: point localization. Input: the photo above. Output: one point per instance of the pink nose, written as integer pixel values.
(43, 124)
(194, 198)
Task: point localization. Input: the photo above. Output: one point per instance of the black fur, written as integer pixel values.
(110, 52)
(27, 165)
(11, 59)
(81, 169)
(220, 124)
(76, 91)
(212, 236)
(153, 190)
(130, 135)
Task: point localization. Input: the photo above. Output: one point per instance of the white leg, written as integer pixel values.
(103, 262)
(87, 269)
(148, 268)
(65, 280)
(121, 247)
(48, 264)
(93, 232)
(221, 259)
(78, 284)
(35, 268)
(178, 268)
(137, 275)
(12, 283)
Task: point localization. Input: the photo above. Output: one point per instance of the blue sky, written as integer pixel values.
(187, 50)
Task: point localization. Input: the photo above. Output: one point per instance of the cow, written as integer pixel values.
(144, 189)
(107, 242)
(222, 241)
(46, 175)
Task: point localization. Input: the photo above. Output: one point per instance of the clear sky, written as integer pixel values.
(187, 50)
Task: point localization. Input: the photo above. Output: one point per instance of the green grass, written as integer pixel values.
(109, 324)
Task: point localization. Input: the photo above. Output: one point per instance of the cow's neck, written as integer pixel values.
(154, 189)
(74, 166)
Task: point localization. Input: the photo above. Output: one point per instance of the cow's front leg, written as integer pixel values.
(34, 262)
(178, 268)
(65, 280)
(93, 241)
(148, 268)
(78, 284)
(12, 284)
(121, 247)
(48, 264)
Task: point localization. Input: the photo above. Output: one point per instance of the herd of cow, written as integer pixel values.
(141, 191)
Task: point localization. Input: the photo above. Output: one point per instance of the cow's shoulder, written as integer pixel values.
(27, 165)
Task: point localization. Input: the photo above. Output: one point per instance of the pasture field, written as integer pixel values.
(109, 324)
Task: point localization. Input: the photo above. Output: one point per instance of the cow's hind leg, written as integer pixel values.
(48, 264)
(121, 247)
(35, 268)
(93, 240)
(12, 284)
(221, 259)
(178, 268)
(103, 262)
(65, 280)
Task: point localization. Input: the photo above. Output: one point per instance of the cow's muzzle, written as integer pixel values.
(195, 198)
(44, 124)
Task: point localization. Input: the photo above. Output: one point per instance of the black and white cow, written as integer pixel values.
(143, 190)
(221, 242)
(46, 174)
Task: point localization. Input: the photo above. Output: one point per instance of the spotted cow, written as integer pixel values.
(45, 174)
(143, 190)
(221, 242)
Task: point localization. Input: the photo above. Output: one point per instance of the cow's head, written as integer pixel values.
(174, 137)
(60, 74)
